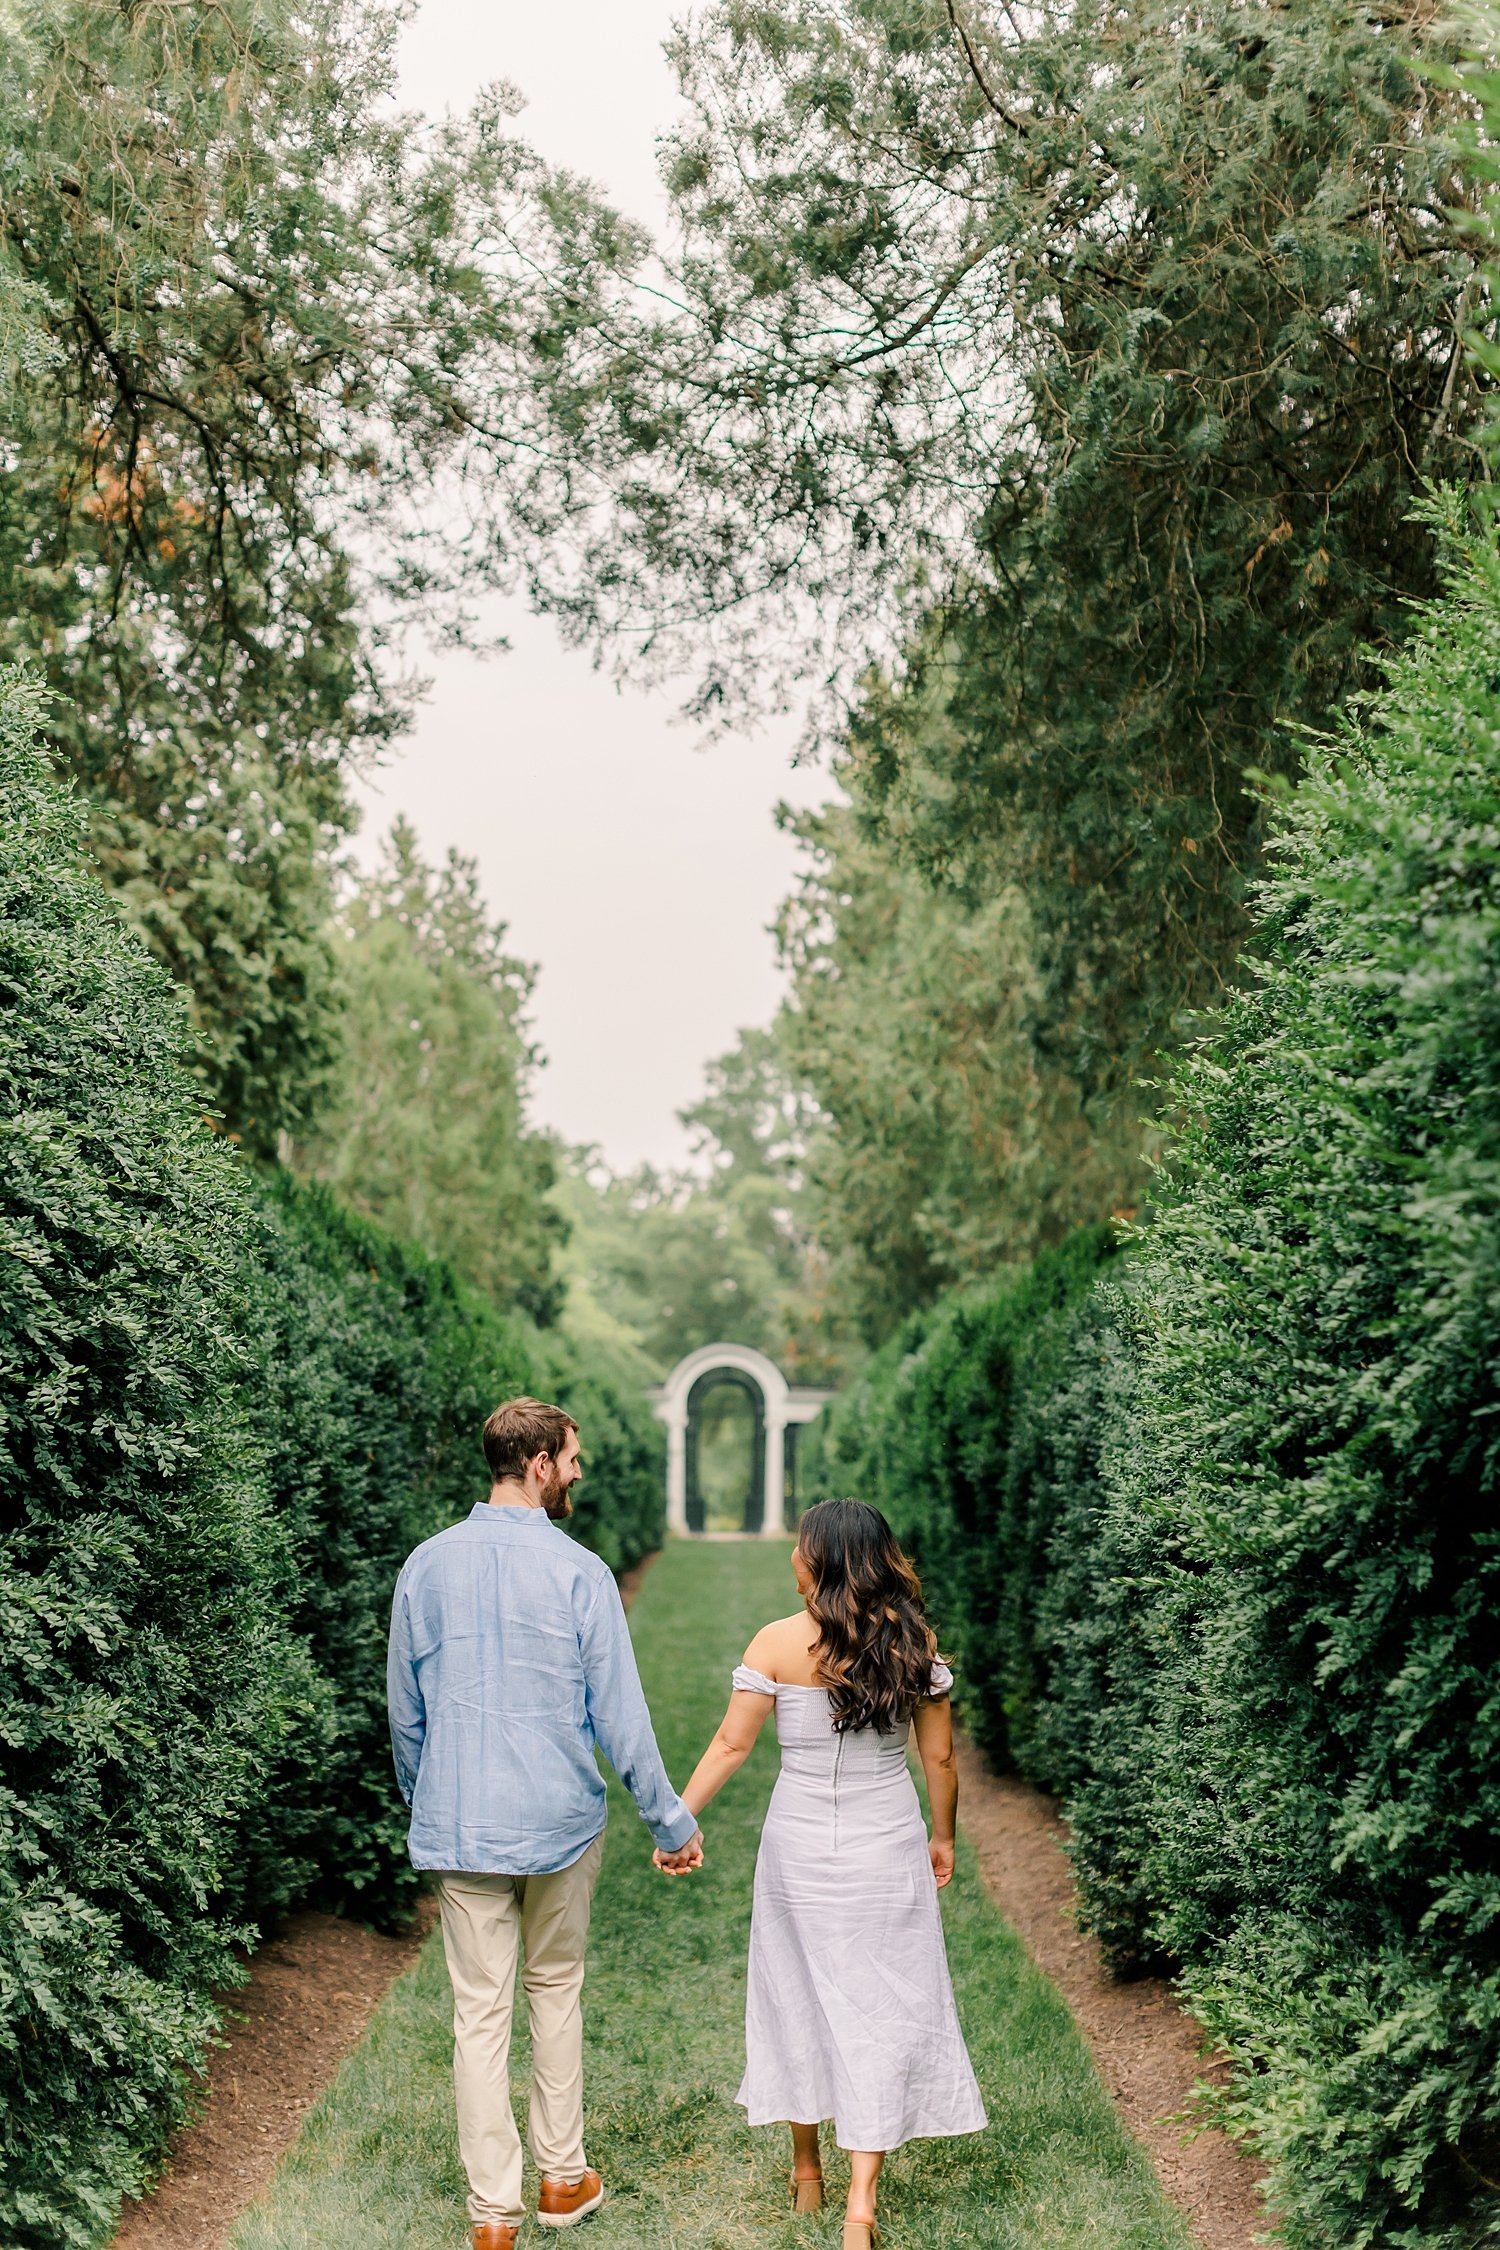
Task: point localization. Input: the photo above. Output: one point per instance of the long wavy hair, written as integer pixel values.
(875, 1646)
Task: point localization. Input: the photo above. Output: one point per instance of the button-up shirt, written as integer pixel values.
(509, 1659)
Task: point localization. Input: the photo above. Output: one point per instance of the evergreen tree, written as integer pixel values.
(426, 1132)
(942, 1145)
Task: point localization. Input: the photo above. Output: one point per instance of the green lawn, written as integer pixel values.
(377, 2165)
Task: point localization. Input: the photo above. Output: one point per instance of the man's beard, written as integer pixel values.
(555, 1501)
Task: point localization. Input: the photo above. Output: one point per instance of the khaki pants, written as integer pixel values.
(485, 1919)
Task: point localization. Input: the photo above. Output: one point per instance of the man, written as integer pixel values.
(509, 1659)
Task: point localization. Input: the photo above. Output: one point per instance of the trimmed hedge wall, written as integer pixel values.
(953, 1429)
(148, 1678)
(1235, 1566)
(229, 1411)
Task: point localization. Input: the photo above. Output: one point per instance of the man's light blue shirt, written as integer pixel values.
(509, 1660)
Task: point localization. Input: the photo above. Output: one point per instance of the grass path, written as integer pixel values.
(377, 2165)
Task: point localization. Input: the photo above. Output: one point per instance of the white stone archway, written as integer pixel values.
(784, 1405)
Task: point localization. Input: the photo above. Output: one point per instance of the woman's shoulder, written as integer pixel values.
(780, 1649)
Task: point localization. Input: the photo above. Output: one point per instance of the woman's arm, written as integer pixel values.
(934, 1726)
(729, 1749)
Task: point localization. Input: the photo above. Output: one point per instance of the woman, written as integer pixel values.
(849, 2012)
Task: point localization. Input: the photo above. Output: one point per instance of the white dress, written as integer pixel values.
(849, 2012)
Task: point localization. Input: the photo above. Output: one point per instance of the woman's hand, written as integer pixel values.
(680, 1862)
(941, 1856)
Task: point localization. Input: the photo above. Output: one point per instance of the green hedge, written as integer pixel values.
(229, 1410)
(1236, 1571)
(948, 1427)
(148, 1679)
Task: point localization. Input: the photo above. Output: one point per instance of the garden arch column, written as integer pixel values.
(783, 1405)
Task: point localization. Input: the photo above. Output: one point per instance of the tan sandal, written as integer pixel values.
(862, 2234)
(807, 2192)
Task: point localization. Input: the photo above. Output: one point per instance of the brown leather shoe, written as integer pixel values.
(563, 2206)
(493, 2234)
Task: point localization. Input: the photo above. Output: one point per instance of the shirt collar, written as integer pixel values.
(518, 1518)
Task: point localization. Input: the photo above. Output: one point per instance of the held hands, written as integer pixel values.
(941, 1856)
(682, 1861)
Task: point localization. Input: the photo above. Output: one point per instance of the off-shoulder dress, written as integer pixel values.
(849, 2011)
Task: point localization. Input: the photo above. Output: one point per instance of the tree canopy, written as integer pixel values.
(285, 336)
(938, 1146)
(1082, 362)
(722, 1250)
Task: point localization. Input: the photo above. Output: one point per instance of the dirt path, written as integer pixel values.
(312, 1990)
(1146, 2046)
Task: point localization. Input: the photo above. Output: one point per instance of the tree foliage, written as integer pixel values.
(720, 1252)
(938, 1145)
(287, 342)
(426, 1133)
(1086, 360)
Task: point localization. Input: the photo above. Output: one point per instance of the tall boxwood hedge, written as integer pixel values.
(227, 1412)
(955, 1428)
(1237, 1570)
(1313, 1453)
(148, 1677)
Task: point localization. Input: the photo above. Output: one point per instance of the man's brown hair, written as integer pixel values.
(520, 1429)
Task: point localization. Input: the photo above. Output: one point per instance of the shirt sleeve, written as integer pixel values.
(621, 1722)
(942, 1678)
(408, 1716)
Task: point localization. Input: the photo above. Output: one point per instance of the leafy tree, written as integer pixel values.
(272, 326)
(1101, 348)
(660, 1263)
(666, 1263)
(427, 1134)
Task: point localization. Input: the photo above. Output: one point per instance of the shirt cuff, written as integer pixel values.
(679, 1830)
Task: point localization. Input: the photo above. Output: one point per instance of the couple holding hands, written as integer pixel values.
(510, 1659)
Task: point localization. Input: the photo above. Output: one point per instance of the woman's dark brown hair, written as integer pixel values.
(876, 1647)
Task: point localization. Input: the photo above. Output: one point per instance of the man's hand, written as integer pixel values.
(941, 1856)
(682, 1861)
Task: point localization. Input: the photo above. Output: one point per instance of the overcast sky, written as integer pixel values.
(638, 868)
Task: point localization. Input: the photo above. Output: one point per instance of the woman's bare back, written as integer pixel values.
(787, 1650)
